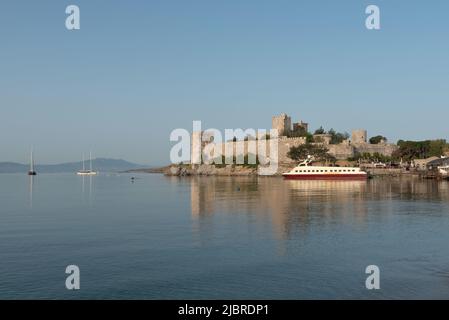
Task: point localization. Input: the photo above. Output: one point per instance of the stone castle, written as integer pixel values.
(357, 144)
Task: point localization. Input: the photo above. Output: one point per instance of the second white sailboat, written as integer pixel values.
(89, 172)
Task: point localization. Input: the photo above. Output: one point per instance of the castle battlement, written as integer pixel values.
(284, 138)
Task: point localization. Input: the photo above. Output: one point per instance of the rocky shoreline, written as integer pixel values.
(209, 170)
(201, 170)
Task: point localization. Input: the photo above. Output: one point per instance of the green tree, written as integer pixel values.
(377, 139)
(437, 147)
(409, 150)
(338, 137)
(319, 152)
(320, 130)
(375, 157)
(309, 137)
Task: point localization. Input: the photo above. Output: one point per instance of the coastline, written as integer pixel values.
(242, 170)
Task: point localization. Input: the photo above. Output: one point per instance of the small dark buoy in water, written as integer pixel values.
(238, 188)
(132, 179)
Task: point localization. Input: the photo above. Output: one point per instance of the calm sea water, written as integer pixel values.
(220, 238)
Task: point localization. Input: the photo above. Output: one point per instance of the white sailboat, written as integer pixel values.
(89, 172)
(31, 172)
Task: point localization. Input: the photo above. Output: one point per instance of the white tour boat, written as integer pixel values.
(306, 171)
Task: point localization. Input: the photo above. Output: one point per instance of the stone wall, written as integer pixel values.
(242, 148)
(239, 148)
(322, 138)
(284, 147)
(384, 149)
(341, 151)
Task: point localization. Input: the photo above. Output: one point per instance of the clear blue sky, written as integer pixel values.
(138, 69)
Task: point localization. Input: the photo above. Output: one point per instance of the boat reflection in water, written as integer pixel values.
(30, 190)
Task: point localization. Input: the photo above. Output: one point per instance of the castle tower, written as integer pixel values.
(301, 126)
(282, 123)
(359, 136)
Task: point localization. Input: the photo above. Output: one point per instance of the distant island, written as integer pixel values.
(99, 164)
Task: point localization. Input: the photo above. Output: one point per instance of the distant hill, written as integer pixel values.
(98, 164)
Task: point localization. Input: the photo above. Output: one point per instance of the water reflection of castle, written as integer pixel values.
(288, 205)
(297, 205)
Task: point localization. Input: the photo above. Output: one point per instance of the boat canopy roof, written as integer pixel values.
(439, 162)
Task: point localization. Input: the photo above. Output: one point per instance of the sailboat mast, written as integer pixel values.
(31, 162)
(90, 157)
(83, 163)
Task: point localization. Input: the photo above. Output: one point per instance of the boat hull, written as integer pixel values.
(86, 173)
(326, 176)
